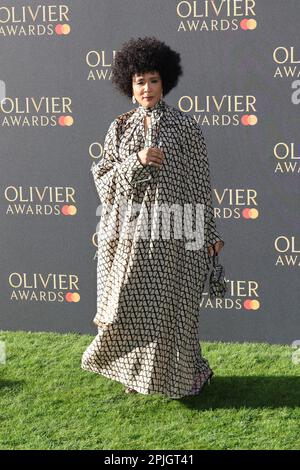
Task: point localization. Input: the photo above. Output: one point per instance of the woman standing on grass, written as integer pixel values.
(149, 285)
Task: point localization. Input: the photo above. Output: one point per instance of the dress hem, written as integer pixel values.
(141, 390)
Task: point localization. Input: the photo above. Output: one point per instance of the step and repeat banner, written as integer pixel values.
(241, 82)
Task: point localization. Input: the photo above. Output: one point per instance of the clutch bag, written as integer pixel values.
(217, 283)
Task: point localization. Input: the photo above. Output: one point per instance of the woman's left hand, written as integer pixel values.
(217, 246)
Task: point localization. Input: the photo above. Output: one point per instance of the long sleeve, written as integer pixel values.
(111, 170)
(201, 171)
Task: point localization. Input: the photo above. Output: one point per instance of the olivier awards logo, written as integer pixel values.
(240, 295)
(34, 20)
(236, 203)
(287, 63)
(216, 15)
(286, 157)
(41, 287)
(46, 200)
(287, 249)
(99, 64)
(30, 111)
(223, 110)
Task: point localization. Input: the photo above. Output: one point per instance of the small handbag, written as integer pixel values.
(217, 283)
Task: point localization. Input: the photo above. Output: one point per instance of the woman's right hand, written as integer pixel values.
(152, 156)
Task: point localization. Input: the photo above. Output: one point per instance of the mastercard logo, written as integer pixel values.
(249, 120)
(250, 213)
(72, 297)
(68, 210)
(251, 304)
(65, 120)
(61, 29)
(246, 24)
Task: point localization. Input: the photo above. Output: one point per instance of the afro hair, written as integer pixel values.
(142, 55)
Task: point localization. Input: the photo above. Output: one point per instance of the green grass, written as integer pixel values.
(48, 402)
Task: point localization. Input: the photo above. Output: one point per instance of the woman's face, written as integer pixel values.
(147, 88)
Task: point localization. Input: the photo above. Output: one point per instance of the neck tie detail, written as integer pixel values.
(152, 138)
(154, 111)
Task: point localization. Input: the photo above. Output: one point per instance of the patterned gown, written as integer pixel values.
(150, 280)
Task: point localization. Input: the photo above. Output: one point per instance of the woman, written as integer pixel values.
(149, 285)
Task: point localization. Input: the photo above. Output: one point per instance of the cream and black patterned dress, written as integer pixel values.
(150, 282)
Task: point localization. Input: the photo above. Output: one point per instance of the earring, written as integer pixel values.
(133, 99)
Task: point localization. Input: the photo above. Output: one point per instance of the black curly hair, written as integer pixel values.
(142, 55)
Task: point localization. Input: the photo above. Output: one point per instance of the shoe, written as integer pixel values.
(208, 381)
(130, 390)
